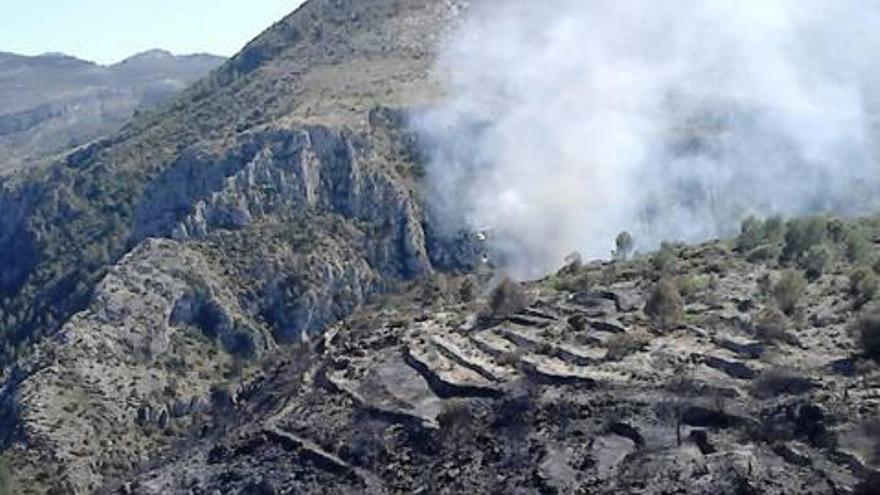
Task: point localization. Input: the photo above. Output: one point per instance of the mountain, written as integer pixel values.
(267, 201)
(244, 291)
(53, 102)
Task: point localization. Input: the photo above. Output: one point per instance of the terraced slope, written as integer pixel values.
(579, 392)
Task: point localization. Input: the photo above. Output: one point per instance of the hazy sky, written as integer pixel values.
(107, 31)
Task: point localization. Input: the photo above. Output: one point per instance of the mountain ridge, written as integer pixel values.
(275, 144)
(62, 56)
(52, 103)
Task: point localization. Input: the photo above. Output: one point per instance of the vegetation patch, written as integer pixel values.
(789, 290)
(665, 305)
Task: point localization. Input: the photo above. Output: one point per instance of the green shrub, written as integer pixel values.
(511, 358)
(664, 260)
(858, 249)
(468, 291)
(665, 305)
(455, 419)
(765, 285)
(573, 282)
(816, 261)
(577, 322)
(751, 234)
(572, 277)
(572, 263)
(803, 233)
(621, 345)
(755, 234)
(690, 285)
(869, 333)
(7, 485)
(837, 229)
(507, 299)
(863, 286)
(623, 246)
(779, 381)
(766, 252)
(774, 229)
(771, 326)
(788, 290)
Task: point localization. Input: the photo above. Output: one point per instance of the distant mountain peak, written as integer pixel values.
(156, 53)
(151, 57)
(54, 55)
(52, 59)
(55, 101)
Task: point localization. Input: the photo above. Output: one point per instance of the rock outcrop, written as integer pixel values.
(132, 361)
(404, 398)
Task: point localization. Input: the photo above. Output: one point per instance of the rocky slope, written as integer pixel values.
(245, 293)
(281, 235)
(267, 202)
(575, 390)
(578, 391)
(53, 103)
(327, 65)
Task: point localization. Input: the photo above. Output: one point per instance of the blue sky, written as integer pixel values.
(107, 31)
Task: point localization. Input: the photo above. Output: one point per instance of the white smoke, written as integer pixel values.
(569, 121)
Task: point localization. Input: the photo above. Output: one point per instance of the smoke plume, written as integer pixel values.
(569, 121)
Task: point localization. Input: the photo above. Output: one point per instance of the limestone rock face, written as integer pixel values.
(269, 173)
(124, 362)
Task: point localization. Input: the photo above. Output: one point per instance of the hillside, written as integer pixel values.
(245, 291)
(312, 68)
(573, 384)
(53, 103)
(266, 202)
